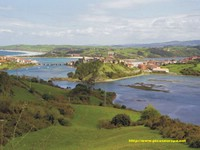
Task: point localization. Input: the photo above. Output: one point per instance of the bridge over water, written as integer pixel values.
(52, 64)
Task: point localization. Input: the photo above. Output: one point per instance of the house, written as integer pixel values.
(3, 61)
(75, 55)
(111, 54)
(142, 66)
(109, 60)
(161, 70)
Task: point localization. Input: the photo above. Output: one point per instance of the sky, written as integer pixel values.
(101, 22)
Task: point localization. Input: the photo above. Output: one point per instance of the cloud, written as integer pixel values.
(6, 31)
(143, 30)
(122, 4)
(107, 29)
(96, 18)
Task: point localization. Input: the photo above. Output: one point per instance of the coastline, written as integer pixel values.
(103, 81)
(27, 53)
(117, 79)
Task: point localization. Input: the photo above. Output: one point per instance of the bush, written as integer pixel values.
(116, 106)
(123, 107)
(106, 124)
(64, 122)
(48, 97)
(121, 120)
(80, 89)
(149, 113)
(5, 106)
(34, 80)
(70, 75)
(32, 90)
(195, 143)
(101, 104)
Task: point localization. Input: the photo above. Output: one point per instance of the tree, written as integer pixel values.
(149, 113)
(121, 120)
(87, 73)
(70, 75)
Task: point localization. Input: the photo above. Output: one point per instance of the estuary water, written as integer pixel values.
(182, 100)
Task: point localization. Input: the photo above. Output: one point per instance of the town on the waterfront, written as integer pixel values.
(148, 66)
(12, 62)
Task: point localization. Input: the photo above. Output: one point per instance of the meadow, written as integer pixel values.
(84, 134)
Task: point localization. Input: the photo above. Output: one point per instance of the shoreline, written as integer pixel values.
(103, 81)
(27, 53)
(112, 80)
(128, 77)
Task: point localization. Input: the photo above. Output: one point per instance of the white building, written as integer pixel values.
(158, 69)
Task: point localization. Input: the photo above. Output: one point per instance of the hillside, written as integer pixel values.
(167, 49)
(84, 134)
(98, 71)
(34, 114)
(40, 104)
(163, 44)
(190, 68)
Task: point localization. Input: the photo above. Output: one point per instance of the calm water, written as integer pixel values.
(46, 72)
(181, 102)
(10, 53)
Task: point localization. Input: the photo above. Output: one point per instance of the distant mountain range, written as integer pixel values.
(171, 43)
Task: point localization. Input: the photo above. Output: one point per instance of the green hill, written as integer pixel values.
(84, 134)
(99, 71)
(30, 121)
(190, 68)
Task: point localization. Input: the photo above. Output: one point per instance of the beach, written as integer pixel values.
(25, 53)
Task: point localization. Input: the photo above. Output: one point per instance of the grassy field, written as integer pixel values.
(46, 89)
(9, 66)
(84, 134)
(176, 68)
(197, 67)
(21, 94)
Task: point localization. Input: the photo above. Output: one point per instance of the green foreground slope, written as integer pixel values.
(84, 134)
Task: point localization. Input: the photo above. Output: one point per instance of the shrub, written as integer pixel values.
(70, 75)
(123, 107)
(121, 120)
(195, 143)
(80, 89)
(149, 113)
(34, 80)
(101, 104)
(50, 118)
(5, 106)
(48, 97)
(64, 121)
(105, 124)
(117, 106)
(32, 90)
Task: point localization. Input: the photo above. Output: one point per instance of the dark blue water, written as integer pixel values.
(182, 101)
(10, 53)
